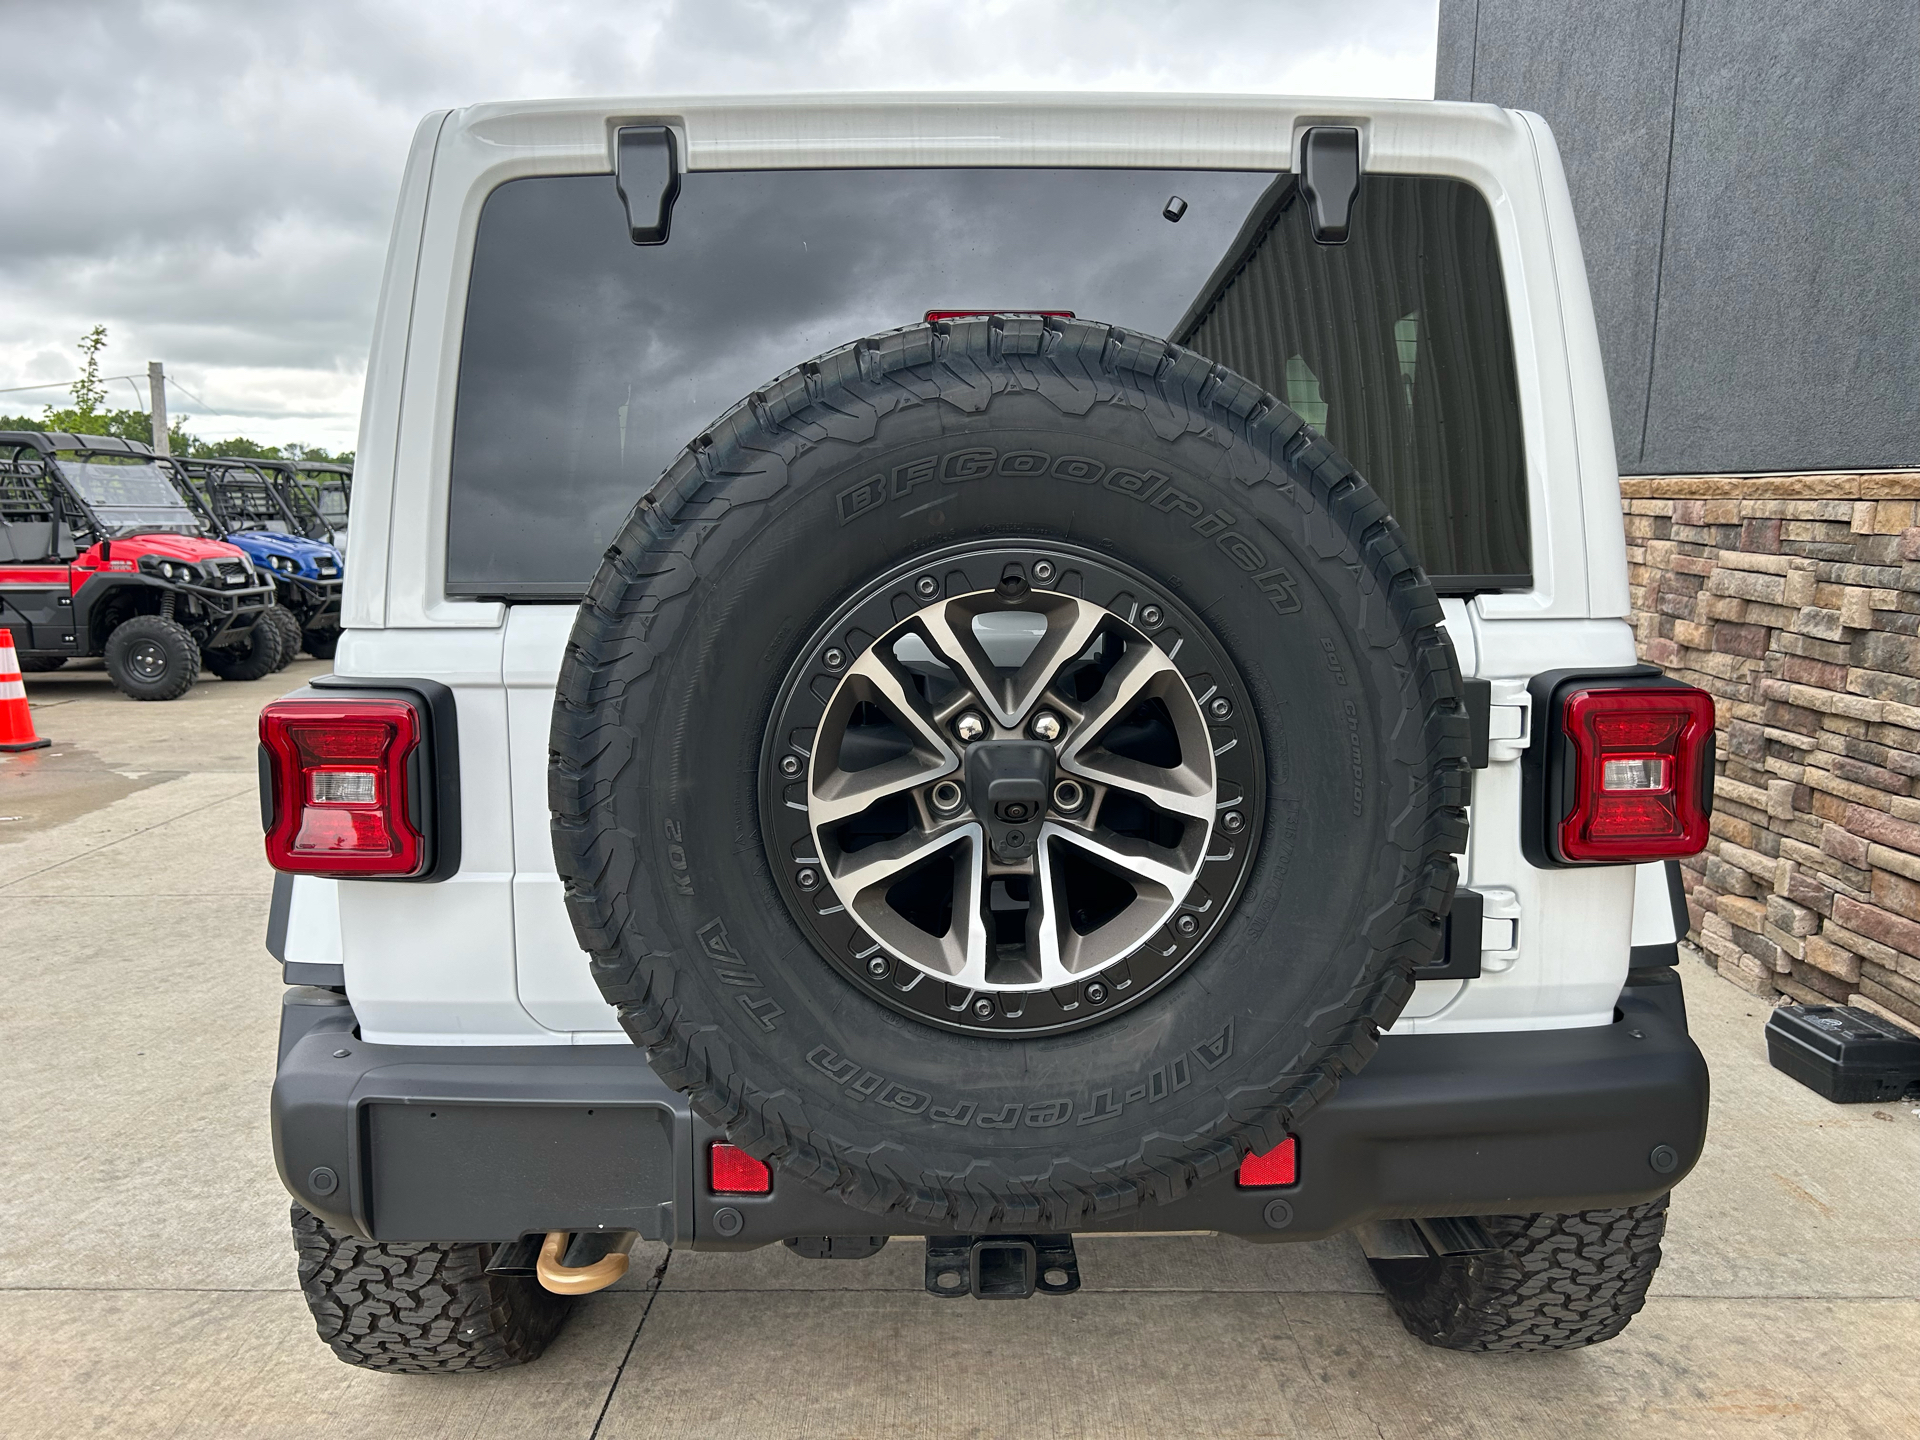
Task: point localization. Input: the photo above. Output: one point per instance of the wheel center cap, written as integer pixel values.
(1007, 785)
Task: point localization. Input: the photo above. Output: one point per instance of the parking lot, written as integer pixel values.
(147, 1284)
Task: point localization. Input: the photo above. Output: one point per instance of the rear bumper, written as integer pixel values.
(442, 1143)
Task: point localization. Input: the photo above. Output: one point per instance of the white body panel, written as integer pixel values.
(489, 957)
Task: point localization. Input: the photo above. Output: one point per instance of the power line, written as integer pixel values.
(191, 396)
(60, 384)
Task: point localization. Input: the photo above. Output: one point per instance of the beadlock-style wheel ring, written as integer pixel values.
(1011, 789)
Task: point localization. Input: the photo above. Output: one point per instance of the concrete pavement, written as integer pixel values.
(146, 1275)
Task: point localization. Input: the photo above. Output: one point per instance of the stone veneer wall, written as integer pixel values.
(1795, 600)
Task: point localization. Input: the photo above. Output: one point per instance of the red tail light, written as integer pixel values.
(342, 787)
(734, 1172)
(1636, 773)
(933, 315)
(1279, 1166)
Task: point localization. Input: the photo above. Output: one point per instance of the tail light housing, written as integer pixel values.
(1620, 768)
(348, 784)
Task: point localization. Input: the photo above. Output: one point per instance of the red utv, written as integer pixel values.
(102, 554)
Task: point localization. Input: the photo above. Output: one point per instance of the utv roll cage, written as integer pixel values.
(317, 492)
(72, 510)
(240, 495)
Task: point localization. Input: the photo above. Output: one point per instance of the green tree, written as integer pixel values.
(90, 391)
(85, 416)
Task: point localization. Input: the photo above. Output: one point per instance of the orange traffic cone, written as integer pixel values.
(16, 724)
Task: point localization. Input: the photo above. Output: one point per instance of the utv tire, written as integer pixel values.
(255, 656)
(282, 620)
(894, 462)
(40, 664)
(420, 1309)
(151, 658)
(1557, 1282)
(321, 644)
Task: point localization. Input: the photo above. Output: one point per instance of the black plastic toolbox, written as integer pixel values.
(1845, 1054)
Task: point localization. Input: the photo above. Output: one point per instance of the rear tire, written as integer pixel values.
(420, 1308)
(152, 658)
(40, 664)
(1557, 1282)
(321, 643)
(255, 656)
(290, 635)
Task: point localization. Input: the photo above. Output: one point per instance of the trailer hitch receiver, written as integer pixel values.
(1001, 1267)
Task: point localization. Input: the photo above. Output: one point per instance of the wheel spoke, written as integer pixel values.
(1185, 789)
(961, 953)
(1128, 682)
(888, 860)
(837, 794)
(1179, 790)
(1136, 859)
(1066, 955)
(1070, 627)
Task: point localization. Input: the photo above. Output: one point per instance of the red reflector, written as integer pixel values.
(734, 1172)
(1637, 759)
(933, 315)
(340, 790)
(1279, 1166)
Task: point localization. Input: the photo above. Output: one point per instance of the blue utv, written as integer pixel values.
(252, 512)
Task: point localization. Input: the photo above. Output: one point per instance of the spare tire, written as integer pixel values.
(1006, 771)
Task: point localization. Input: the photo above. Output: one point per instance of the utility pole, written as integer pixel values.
(157, 393)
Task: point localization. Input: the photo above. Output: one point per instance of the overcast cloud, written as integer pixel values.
(214, 182)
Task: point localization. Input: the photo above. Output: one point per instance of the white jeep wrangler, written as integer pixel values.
(981, 668)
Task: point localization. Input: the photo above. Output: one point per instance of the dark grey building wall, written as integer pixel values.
(1746, 174)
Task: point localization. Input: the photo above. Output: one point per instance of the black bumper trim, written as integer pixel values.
(1477, 1124)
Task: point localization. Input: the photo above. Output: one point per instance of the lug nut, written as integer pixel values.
(1095, 992)
(1220, 707)
(1186, 924)
(983, 1007)
(1150, 616)
(927, 586)
(1232, 822)
(834, 658)
(947, 796)
(1046, 726)
(1043, 570)
(807, 879)
(970, 727)
(1068, 796)
(789, 764)
(878, 967)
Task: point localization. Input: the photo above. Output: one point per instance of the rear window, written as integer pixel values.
(588, 362)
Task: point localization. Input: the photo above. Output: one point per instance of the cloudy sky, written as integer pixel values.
(214, 182)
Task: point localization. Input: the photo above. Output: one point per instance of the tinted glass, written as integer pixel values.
(1394, 345)
(587, 362)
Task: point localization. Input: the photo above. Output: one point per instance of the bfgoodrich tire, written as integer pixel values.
(1555, 1282)
(418, 1308)
(1052, 463)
